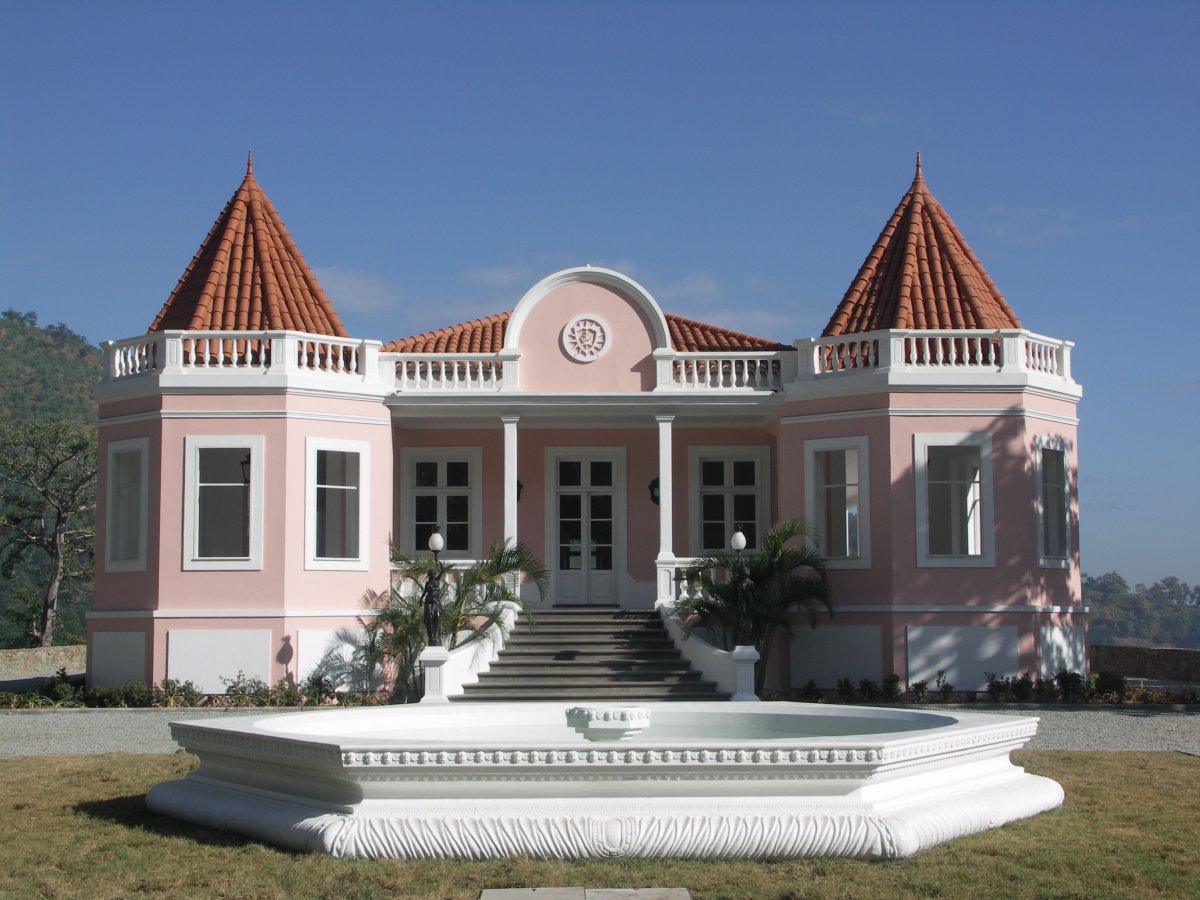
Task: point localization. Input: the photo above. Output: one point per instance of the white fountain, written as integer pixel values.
(590, 779)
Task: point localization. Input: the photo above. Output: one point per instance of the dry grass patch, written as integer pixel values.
(78, 827)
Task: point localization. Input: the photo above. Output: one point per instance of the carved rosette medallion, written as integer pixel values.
(585, 338)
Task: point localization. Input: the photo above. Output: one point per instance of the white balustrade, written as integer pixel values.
(726, 371)
(940, 350)
(239, 351)
(476, 372)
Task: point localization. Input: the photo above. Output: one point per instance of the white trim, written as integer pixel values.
(473, 456)
(140, 445)
(861, 443)
(1018, 412)
(361, 563)
(350, 612)
(256, 444)
(588, 275)
(760, 453)
(510, 478)
(602, 329)
(986, 558)
(159, 415)
(1041, 443)
(620, 491)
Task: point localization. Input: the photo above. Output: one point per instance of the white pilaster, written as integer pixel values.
(666, 549)
(510, 478)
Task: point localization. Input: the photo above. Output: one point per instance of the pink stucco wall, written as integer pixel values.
(626, 365)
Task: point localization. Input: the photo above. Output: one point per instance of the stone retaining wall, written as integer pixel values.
(43, 660)
(1146, 662)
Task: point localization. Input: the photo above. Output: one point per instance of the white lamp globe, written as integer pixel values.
(738, 541)
(437, 543)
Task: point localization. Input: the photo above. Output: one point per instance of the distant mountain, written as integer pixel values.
(46, 372)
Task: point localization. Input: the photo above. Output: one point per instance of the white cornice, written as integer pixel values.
(162, 414)
(916, 411)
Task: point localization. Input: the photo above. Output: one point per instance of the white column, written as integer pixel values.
(510, 478)
(665, 506)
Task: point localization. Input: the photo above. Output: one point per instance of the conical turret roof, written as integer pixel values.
(921, 274)
(248, 275)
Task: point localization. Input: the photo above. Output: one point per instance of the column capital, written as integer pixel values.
(664, 418)
(510, 420)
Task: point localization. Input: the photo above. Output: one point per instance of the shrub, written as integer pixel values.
(1112, 685)
(891, 688)
(284, 693)
(845, 690)
(317, 688)
(121, 696)
(1022, 688)
(173, 692)
(1045, 690)
(919, 691)
(810, 693)
(944, 686)
(869, 690)
(62, 690)
(244, 691)
(999, 687)
(1072, 686)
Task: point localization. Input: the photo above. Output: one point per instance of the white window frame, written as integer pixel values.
(473, 456)
(360, 563)
(986, 558)
(141, 446)
(256, 444)
(761, 455)
(861, 443)
(1062, 445)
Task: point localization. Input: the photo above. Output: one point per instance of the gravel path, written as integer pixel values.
(63, 732)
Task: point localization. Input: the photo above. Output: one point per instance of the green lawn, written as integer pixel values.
(78, 827)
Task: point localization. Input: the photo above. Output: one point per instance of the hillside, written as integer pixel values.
(1166, 614)
(46, 372)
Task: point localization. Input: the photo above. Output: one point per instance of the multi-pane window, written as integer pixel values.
(337, 500)
(127, 484)
(955, 527)
(223, 502)
(954, 496)
(1054, 505)
(836, 481)
(729, 499)
(441, 492)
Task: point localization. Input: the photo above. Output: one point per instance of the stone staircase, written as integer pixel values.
(590, 653)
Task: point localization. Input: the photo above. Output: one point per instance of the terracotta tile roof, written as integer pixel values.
(249, 275)
(486, 335)
(921, 274)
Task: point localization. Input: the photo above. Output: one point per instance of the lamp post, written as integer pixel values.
(744, 655)
(745, 587)
(434, 656)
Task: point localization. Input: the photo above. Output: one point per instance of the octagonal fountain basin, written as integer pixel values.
(598, 779)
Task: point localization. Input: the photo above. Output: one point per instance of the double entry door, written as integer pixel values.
(585, 526)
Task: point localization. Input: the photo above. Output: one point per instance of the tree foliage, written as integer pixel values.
(47, 511)
(475, 601)
(788, 575)
(1165, 614)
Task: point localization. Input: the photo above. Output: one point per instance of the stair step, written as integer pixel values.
(586, 666)
(591, 653)
(574, 679)
(597, 693)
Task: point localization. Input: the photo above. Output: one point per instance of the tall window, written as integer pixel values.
(730, 493)
(836, 494)
(336, 520)
(1054, 523)
(223, 502)
(444, 491)
(954, 496)
(125, 536)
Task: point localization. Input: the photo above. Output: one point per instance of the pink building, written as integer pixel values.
(255, 460)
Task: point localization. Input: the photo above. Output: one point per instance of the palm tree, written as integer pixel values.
(474, 600)
(788, 574)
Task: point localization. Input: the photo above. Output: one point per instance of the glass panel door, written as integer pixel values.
(586, 530)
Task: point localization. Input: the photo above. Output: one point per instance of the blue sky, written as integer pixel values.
(433, 161)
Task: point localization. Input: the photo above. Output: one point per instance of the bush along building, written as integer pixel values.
(255, 460)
